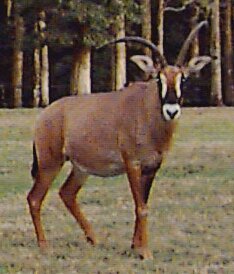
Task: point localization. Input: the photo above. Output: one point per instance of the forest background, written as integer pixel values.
(49, 49)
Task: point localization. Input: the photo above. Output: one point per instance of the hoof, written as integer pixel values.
(144, 253)
(43, 245)
(91, 240)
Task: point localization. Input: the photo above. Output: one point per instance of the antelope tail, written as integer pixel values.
(35, 163)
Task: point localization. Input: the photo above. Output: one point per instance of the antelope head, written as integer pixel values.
(170, 78)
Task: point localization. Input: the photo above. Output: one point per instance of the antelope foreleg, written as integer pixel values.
(68, 194)
(140, 186)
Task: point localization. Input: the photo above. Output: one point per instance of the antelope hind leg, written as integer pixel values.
(68, 193)
(42, 182)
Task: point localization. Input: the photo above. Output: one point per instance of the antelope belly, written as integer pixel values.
(101, 170)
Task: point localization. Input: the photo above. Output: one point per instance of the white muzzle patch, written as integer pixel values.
(171, 111)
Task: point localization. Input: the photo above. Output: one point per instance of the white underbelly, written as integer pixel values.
(108, 170)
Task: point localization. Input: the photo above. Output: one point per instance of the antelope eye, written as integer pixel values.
(157, 77)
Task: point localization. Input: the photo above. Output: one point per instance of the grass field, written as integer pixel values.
(191, 221)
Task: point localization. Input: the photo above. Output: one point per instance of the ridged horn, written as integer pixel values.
(157, 55)
(181, 56)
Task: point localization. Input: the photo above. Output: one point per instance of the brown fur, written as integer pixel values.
(101, 134)
(109, 134)
(85, 129)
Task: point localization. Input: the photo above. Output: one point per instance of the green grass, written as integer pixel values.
(191, 217)
(16, 130)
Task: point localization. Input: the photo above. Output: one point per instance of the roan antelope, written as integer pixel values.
(108, 134)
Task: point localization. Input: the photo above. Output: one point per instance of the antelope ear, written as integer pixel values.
(145, 63)
(197, 63)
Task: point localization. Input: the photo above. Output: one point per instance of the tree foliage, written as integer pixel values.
(88, 22)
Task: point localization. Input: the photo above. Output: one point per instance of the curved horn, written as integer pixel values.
(181, 56)
(157, 55)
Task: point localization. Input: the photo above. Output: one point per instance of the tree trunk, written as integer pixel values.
(17, 78)
(17, 72)
(74, 72)
(9, 5)
(37, 78)
(215, 50)
(120, 67)
(44, 76)
(193, 22)
(41, 29)
(195, 49)
(160, 25)
(5, 93)
(81, 69)
(113, 67)
(146, 23)
(228, 56)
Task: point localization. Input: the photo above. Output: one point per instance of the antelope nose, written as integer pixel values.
(172, 113)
